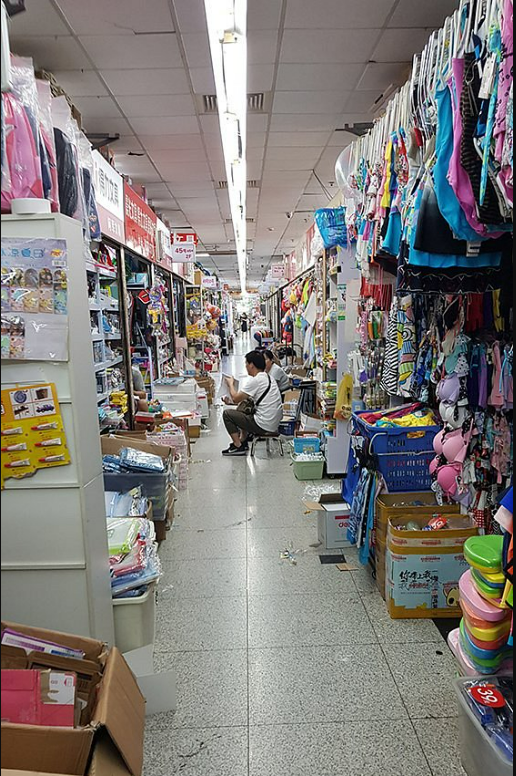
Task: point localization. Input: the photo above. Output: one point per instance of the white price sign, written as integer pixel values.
(182, 253)
(211, 282)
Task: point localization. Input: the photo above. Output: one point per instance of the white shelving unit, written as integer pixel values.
(100, 306)
(54, 560)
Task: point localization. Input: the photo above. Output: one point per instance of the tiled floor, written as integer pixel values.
(286, 670)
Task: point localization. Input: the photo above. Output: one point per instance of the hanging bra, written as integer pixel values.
(453, 445)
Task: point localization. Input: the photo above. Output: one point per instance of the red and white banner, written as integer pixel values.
(109, 193)
(140, 225)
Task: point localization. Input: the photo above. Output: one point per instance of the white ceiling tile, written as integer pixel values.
(80, 83)
(379, 76)
(337, 14)
(288, 164)
(50, 53)
(162, 105)
(197, 48)
(191, 15)
(328, 46)
(112, 52)
(260, 78)
(304, 123)
(135, 166)
(341, 139)
(158, 190)
(364, 101)
(177, 173)
(40, 18)
(400, 45)
(176, 157)
(144, 179)
(152, 125)
(310, 102)
(330, 77)
(287, 140)
(216, 154)
(295, 154)
(97, 108)
(203, 80)
(98, 17)
(256, 140)
(262, 46)
(177, 219)
(172, 142)
(188, 189)
(112, 126)
(257, 122)
(286, 177)
(410, 14)
(254, 169)
(158, 81)
(210, 124)
(126, 144)
(264, 14)
(255, 154)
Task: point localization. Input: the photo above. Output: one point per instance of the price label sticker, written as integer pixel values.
(488, 695)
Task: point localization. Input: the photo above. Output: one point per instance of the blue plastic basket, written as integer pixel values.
(403, 455)
(288, 427)
(307, 445)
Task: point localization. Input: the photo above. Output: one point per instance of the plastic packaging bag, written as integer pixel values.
(48, 142)
(21, 162)
(122, 535)
(71, 195)
(86, 166)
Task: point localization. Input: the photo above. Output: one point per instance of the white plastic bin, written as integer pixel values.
(135, 621)
(480, 757)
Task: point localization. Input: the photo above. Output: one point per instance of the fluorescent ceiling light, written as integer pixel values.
(227, 30)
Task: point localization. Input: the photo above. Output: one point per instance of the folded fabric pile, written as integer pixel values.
(130, 504)
(409, 416)
(131, 460)
(133, 552)
(483, 643)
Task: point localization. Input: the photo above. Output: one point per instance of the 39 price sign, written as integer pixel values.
(488, 695)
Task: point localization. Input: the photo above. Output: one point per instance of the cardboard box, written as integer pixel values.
(105, 762)
(119, 714)
(423, 568)
(332, 520)
(402, 505)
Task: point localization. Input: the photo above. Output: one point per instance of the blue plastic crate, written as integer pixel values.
(307, 445)
(403, 455)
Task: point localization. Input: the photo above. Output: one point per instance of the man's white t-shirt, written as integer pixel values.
(269, 412)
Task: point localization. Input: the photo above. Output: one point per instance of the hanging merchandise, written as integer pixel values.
(331, 223)
(34, 291)
(33, 435)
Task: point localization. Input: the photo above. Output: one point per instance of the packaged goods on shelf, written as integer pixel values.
(134, 561)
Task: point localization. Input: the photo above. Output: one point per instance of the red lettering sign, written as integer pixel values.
(140, 225)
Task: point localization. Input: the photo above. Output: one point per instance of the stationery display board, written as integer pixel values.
(33, 435)
(34, 286)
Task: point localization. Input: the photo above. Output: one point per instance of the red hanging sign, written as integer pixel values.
(140, 225)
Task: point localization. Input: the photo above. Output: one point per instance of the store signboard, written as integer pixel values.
(185, 237)
(164, 245)
(277, 272)
(183, 253)
(140, 225)
(210, 282)
(109, 193)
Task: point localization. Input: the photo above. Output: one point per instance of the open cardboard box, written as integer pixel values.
(118, 715)
(111, 445)
(105, 762)
(332, 520)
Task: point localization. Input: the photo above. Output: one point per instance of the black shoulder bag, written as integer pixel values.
(249, 405)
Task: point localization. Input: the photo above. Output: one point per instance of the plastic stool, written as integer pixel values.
(268, 439)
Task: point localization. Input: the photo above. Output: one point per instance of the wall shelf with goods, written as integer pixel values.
(107, 334)
(138, 276)
(161, 313)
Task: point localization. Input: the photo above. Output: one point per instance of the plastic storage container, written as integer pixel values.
(480, 757)
(307, 445)
(309, 470)
(154, 487)
(135, 620)
(288, 427)
(403, 454)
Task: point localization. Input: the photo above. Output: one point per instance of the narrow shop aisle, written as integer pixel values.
(286, 670)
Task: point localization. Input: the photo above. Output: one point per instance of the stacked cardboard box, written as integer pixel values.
(109, 739)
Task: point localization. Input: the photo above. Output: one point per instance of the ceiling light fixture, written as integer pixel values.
(227, 30)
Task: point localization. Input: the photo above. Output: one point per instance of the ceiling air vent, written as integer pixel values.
(250, 185)
(248, 220)
(258, 102)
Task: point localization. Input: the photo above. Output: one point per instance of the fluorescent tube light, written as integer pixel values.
(227, 30)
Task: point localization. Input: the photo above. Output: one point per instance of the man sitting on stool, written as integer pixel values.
(264, 391)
